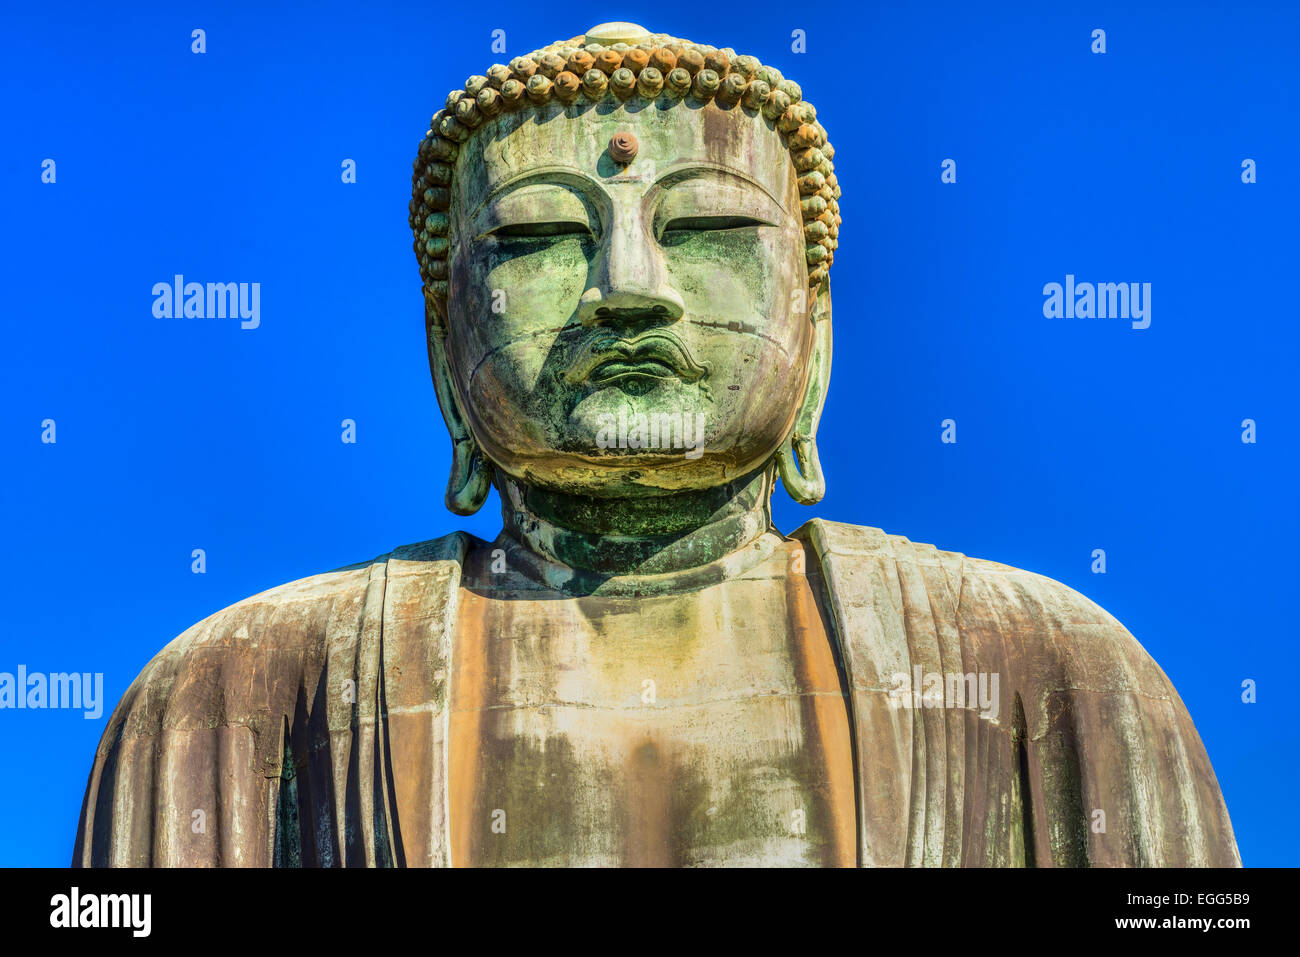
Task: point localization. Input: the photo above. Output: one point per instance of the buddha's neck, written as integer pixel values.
(640, 536)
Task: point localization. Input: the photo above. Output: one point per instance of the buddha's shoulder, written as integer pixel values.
(1045, 616)
(287, 632)
(850, 546)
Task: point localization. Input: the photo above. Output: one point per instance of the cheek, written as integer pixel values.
(746, 293)
(533, 282)
(721, 276)
(503, 295)
(743, 280)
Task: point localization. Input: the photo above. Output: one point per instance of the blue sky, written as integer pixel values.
(1073, 434)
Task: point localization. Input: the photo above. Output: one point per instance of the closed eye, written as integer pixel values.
(558, 228)
(702, 223)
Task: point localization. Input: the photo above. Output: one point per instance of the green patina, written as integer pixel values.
(688, 259)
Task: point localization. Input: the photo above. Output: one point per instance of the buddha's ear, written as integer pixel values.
(796, 461)
(471, 476)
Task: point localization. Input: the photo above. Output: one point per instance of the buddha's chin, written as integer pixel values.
(614, 442)
(641, 482)
(636, 472)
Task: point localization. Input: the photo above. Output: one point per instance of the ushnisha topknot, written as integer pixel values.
(623, 61)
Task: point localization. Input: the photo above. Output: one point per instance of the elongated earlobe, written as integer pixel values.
(471, 474)
(800, 470)
(796, 462)
(470, 478)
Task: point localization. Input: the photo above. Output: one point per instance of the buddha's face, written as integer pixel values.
(625, 329)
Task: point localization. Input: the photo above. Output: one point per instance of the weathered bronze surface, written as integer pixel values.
(625, 242)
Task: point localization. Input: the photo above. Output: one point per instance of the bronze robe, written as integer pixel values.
(308, 725)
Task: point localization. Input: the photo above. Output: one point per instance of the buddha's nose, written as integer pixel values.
(629, 286)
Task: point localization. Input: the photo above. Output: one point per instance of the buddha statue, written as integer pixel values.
(625, 242)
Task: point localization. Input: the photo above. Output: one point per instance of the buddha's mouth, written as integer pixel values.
(653, 355)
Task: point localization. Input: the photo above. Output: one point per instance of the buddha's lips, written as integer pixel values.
(656, 355)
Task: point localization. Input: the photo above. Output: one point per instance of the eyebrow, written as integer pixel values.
(690, 169)
(555, 175)
(561, 175)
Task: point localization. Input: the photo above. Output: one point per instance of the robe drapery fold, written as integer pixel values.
(308, 725)
(267, 735)
(1092, 758)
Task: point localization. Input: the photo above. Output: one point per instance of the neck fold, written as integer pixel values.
(595, 540)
